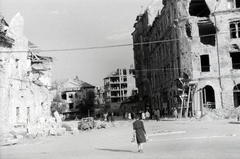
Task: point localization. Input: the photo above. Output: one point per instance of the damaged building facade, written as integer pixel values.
(73, 92)
(118, 86)
(25, 77)
(189, 56)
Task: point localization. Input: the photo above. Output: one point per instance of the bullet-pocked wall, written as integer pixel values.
(206, 55)
(199, 43)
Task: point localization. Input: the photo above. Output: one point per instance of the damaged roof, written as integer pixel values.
(37, 58)
(153, 10)
(81, 83)
(4, 40)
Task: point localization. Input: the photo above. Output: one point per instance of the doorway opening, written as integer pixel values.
(208, 97)
(236, 95)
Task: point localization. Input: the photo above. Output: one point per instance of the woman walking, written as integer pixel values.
(140, 132)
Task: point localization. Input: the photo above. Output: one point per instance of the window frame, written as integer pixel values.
(234, 32)
(203, 58)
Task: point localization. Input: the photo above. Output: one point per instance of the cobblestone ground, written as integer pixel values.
(169, 139)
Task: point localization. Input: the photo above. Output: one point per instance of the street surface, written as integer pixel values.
(169, 139)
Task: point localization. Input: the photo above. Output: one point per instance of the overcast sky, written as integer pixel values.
(66, 24)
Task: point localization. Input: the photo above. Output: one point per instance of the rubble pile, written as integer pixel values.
(104, 125)
(218, 114)
(45, 127)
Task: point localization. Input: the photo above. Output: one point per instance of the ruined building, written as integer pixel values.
(118, 86)
(73, 92)
(189, 56)
(25, 77)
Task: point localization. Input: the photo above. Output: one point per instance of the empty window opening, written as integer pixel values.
(205, 66)
(235, 47)
(208, 97)
(28, 114)
(17, 63)
(70, 106)
(230, 4)
(188, 30)
(124, 72)
(234, 29)
(199, 8)
(17, 114)
(237, 3)
(64, 96)
(235, 60)
(236, 95)
(233, 4)
(207, 33)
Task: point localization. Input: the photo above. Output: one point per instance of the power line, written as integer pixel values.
(110, 46)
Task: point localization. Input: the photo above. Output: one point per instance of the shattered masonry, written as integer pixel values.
(202, 63)
(25, 77)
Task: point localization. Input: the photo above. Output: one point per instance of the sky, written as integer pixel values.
(68, 24)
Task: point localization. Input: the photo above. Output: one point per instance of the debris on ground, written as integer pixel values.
(219, 114)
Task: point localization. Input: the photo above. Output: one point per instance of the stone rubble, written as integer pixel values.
(220, 114)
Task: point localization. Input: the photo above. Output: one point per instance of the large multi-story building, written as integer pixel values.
(189, 55)
(118, 86)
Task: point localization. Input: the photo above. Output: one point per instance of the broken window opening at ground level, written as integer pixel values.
(205, 66)
(235, 60)
(236, 95)
(234, 29)
(207, 33)
(199, 8)
(208, 97)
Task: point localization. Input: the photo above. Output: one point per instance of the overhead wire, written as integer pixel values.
(112, 46)
(132, 44)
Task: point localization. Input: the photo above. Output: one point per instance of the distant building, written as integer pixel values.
(118, 86)
(72, 91)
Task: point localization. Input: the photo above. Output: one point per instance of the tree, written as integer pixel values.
(58, 104)
(87, 103)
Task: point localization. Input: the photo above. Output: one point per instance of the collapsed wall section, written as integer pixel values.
(210, 40)
(22, 101)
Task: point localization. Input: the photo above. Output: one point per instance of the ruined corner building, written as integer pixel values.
(25, 77)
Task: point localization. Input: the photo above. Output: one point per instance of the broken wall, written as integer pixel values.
(197, 41)
(21, 100)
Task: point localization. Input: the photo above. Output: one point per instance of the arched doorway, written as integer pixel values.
(208, 97)
(236, 95)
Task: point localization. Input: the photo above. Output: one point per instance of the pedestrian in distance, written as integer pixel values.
(126, 115)
(158, 115)
(105, 116)
(147, 115)
(112, 117)
(175, 113)
(155, 114)
(143, 116)
(129, 116)
(140, 133)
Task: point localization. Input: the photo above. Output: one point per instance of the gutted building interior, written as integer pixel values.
(199, 8)
(207, 32)
(205, 59)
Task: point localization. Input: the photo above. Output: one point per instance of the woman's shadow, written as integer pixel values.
(116, 150)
